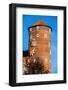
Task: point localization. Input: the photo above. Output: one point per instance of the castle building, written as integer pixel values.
(40, 44)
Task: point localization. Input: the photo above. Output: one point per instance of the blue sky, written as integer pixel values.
(29, 20)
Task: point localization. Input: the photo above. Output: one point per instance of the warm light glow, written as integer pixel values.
(45, 35)
(37, 35)
(37, 27)
(34, 43)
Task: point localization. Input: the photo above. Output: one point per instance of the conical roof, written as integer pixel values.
(40, 22)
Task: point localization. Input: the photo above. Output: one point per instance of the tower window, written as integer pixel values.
(37, 35)
(46, 60)
(46, 35)
(44, 27)
(34, 28)
(37, 27)
(33, 43)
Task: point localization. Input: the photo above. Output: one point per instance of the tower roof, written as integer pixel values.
(40, 22)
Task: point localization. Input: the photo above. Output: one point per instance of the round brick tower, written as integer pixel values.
(40, 45)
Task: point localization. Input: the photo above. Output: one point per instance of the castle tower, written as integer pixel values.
(40, 44)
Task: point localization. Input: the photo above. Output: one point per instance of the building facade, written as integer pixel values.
(39, 48)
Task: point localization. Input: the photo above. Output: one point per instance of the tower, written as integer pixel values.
(40, 45)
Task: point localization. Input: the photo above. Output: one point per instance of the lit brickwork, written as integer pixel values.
(40, 47)
(40, 37)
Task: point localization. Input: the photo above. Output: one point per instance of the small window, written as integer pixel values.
(34, 28)
(33, 43)
(45, 35)
(46, 28)
(37, 27)
(37, 35)
(46, 60)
